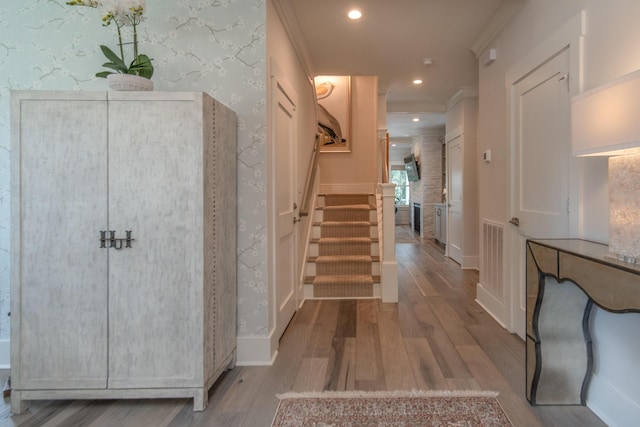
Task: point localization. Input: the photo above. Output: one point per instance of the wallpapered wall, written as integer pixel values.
(216, 46)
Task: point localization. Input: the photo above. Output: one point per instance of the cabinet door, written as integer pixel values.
(155, 191)
(59, 330)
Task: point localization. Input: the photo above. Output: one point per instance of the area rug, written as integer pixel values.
(391, 409)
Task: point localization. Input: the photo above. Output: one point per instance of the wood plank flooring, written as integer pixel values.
(436, 337)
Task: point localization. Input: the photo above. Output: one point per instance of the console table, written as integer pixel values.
(565, 278)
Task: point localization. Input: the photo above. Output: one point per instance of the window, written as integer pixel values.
(399, 178)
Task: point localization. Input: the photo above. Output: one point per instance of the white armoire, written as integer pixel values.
(123, 245)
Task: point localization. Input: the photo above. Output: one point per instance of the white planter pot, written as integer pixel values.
(129, 82)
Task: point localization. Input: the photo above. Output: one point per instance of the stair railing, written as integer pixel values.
(311, 176)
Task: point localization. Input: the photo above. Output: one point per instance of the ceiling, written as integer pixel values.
(391, 41)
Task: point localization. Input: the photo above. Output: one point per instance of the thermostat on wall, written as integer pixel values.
(486, 156)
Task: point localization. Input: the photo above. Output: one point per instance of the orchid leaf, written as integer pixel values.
(116, 67)
(103, 74)
(142, 66)
(115, 59)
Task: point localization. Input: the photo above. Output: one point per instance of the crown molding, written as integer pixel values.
(287, 15)
(464, 92)
(498, 22)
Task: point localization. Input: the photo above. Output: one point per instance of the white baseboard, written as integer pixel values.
(256, 351)
(614, 408)
(5, 354)
(492, 305)
(362, 188)
(470, 263)
(389, 279)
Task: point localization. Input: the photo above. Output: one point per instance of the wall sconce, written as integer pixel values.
(605, 122)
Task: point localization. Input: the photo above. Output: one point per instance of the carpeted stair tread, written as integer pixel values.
(345, 199)
(364, 207)
(345, 224)
(345, 279)
(343, 258)
(308, 280)
(370, 258)
(343, 265)
(343, 286)
(344, 246)
(346, 213)
(317, 240)
(345, 229)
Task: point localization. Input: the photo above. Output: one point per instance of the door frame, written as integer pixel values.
(455, 135)
(278, 81)
(568, 37)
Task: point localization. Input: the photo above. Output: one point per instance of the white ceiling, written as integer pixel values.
(390, 41)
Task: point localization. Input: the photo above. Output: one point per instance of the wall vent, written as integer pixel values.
(492, 271)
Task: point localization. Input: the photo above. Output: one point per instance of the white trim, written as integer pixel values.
(497, 23)
(302, 293)
(256, 351)
(492, 305)
(287, 15)
(453, 134)
(464, 92)
(5, 354)
(279, 82)
(569, 37)
(469, 262)
(610, 404)
(366, 188)
(389, 279)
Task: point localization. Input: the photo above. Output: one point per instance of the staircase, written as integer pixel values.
(343, 252)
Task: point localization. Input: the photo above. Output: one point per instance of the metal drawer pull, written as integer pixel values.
(116, 243)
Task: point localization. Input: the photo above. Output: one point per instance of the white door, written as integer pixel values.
(455, 231)
(540, 165)
(284, 197)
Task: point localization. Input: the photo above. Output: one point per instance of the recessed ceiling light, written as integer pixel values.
(354, 14)
(417, 82)
(393, 145)
(416, 119)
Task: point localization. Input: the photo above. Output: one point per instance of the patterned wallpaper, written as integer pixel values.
(215, 46)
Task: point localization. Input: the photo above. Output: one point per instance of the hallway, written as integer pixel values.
(436, 337)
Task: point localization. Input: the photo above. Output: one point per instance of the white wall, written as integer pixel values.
(610, 50)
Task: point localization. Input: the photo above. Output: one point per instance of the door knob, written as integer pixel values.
(515, 221)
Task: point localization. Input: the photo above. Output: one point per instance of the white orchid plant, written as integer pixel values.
(121, 13)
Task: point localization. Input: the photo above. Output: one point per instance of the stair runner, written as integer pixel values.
(343, 267)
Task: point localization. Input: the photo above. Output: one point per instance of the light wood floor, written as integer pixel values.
(436, 337)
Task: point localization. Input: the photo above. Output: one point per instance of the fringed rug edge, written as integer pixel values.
(387, 394)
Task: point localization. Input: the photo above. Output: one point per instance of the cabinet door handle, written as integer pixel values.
(103, 239)
(116, 243)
